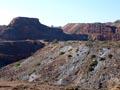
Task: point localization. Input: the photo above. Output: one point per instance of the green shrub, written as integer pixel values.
(38, 64)
(102, 59)
(110, 56)
(92, 65)
(17, 64)
(91, 40)
(93, 56)
(69, 55)
(90, 69)
(61, 53)
(77, 50)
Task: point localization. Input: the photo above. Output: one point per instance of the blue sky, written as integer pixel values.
(61, 12)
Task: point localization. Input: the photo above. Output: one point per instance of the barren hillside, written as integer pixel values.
(91, 65)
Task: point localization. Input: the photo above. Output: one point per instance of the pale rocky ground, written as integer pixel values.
(89, 65)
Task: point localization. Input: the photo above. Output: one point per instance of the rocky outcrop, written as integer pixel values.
(97, 31)
(22, 21)
(12, 51)
(23, 28)
(90, 65)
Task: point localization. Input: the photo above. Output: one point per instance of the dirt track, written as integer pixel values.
(15, 85)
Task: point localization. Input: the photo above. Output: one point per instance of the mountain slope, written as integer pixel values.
(90, 65)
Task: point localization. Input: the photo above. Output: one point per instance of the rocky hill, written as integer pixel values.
(53, 58)
(97, 31)
(89, 65)
(23, 28)
(21, 38)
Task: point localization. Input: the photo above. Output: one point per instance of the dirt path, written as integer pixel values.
(14, 85)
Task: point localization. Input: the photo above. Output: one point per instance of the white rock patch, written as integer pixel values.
(33, 77)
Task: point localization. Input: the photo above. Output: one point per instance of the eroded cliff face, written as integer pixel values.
(88, 65)
(12, 51)
(23, 28)
(97, 31)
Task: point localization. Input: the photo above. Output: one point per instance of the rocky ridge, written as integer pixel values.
(23, 35)
(23, 28)
(95, 31)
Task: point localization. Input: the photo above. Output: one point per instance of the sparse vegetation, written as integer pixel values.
(77, 50)
(93, 56)
(90, 68)
(91, 40)
(55, 64)
(61, 53)
(17, 64)
(38, 64)
(102, 59)
(69, 55)
(90, 43)
(110, 56)
(92, 65)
